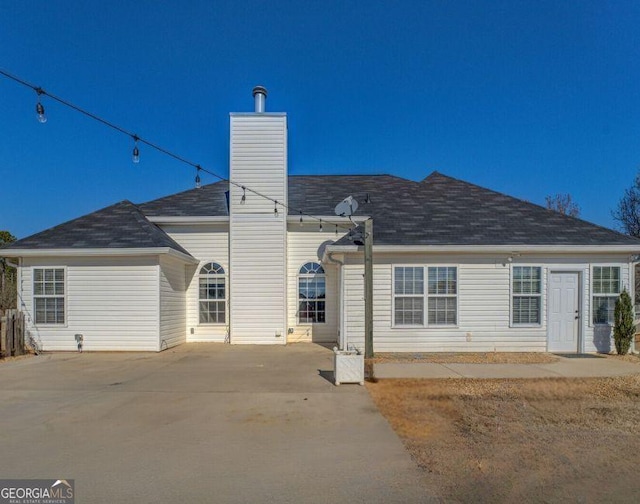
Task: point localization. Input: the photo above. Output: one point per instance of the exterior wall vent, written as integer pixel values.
(260, 99)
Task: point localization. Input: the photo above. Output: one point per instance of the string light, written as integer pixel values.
(40, 108)
(198, 168)
(301, 223)
(136, 151)
(275, 208)
(135, 156)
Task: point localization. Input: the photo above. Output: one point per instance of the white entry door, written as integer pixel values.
(563, 312)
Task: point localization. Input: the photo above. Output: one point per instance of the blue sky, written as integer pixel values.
(527, 98)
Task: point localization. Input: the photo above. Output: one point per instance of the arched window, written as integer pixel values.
(311, 294)
(213, 294)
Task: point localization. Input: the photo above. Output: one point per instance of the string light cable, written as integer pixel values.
(140, 140)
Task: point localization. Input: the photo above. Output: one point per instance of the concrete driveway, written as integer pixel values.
(201, 423)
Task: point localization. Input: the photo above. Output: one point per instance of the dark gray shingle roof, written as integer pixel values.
(439, 210)
(207, 200)
(122, 225)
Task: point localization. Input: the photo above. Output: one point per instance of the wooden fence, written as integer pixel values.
(12, 333)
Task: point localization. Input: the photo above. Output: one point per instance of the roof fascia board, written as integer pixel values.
(99, 252)
(330, 219)
(509, 249)
(197, 219)
(257, 114)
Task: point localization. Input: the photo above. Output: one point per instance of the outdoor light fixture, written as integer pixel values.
(136, 152)
(40, 108)
(198, 168)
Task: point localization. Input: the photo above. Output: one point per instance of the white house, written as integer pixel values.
(456, 267)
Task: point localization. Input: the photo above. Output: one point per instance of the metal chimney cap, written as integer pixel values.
(259, 89)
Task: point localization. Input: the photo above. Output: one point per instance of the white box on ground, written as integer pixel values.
(348, 366)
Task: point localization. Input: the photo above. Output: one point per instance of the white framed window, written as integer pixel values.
(410, 296)
(442, 295)
(606, 284)
(526, 295)
(312, 294)
(49, 295)
(212, 298)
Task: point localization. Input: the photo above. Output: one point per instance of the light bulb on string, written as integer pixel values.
(135, 156)
(198, 168)
(275, 208)
(301, 223)
(320, 226)
(40, 108)
(244, 195)
(336, 230)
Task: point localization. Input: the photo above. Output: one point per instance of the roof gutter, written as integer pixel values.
(194, 219)
(100, 252)
(473, 249)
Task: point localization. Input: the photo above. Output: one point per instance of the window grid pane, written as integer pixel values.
(311, 294)
(526, 310)
(603, 309)
(442, 310)
(409, 311)
(212, 294)
(606, 280)
(48, 292)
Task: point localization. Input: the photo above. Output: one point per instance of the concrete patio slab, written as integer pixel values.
(201, 423)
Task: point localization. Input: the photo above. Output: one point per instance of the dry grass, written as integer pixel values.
(469, 358)
(543, 440)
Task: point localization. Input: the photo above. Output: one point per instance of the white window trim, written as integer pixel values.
(543, 289)
(226, 295)
(308, 275)
(64, 296)
(425, 296)
(592, 294)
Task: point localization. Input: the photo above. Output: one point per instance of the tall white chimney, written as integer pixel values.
(260, 99)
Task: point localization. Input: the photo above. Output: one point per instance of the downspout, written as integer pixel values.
(341, 333)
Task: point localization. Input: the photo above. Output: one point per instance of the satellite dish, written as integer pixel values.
(347, 207)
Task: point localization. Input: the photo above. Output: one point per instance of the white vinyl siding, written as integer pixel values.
(606, 288)
(258, 235)
(112, 302)
(173, 318)
(526, 289)
(206, 242)
(258, 160)
(257, 279)
(484, 304)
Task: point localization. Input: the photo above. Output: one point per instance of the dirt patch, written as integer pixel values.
(15, 358)
(469, 358)
(543, 440)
